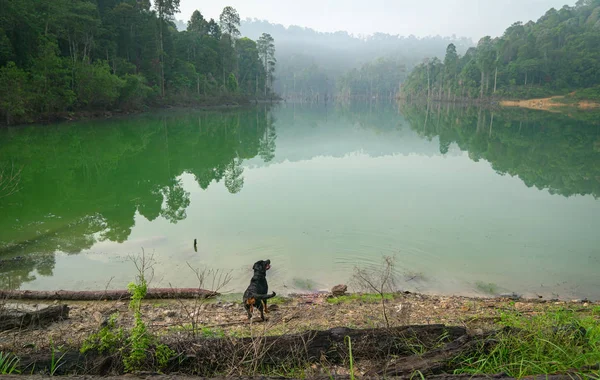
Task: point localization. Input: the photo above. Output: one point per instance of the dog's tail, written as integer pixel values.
(264, 296)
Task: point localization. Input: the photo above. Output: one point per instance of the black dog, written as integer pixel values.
(256, 293)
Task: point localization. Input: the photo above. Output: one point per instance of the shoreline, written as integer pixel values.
(550, 104)
(223, 321)
(88, 115)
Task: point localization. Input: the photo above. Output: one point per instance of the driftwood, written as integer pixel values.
(20, 318)
(100, 295)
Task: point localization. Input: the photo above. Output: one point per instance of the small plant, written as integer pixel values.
(137, 347)
(55, 363)
(8, 363)
(348, 341)
(378, 281)
(108, 340)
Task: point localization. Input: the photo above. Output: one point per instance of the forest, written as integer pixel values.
(62, 56)
(556, 55)
(313, 66)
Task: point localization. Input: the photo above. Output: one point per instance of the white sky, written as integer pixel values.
(469, 18)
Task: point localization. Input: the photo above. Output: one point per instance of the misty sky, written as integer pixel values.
(469, 18)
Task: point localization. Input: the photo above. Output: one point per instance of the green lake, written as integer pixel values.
(469, 201)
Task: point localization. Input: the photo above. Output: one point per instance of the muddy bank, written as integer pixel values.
(550, 104)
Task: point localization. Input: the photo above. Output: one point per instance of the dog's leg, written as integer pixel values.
(262, 315)
(264, 303)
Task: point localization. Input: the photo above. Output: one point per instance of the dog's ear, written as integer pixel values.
(258, 265)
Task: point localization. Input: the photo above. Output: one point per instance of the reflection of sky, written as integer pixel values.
(302, 139)
(454, 220)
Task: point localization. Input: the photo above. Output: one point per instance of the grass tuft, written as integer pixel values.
(366, 298)
(542, 344)
(8, 363)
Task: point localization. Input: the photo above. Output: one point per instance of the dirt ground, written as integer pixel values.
(225, 316)
(547, 104)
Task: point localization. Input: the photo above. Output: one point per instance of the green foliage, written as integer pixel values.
(61, 56)
(14, 84)
(232, 83)
(8, 363)
(108, 340)
(201, 331)
(96, 86)
(592, 93)
(557, 54)
(542, 344)
(139, 340)
(134, 92)
(55, 361)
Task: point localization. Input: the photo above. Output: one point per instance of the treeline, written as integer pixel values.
(381, 78)
(557, 54)
(315, 65)
(60, 56)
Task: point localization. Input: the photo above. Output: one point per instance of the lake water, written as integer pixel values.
(467, 201)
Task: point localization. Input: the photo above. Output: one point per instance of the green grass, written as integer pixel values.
(543, 344)
(277, 300)
(8, 363)
(366, 298)
(205, 332)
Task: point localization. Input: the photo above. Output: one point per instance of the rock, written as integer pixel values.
(98, 316)
(339, 290)
(170, 313)
(273, 307)
(512, 296)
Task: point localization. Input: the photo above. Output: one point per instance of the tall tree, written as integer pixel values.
(230, 22)
(165, 9)
(266, 52)
(197, 23)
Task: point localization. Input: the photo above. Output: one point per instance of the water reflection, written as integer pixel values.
(83, 183)
(339, 185)
(546, 150)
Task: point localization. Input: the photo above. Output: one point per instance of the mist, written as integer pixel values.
(468, 18)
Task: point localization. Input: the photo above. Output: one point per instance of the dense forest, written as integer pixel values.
(555, 55)
(314, 65)
(61, 56)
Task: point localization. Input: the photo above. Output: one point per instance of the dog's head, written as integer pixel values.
(262, 266)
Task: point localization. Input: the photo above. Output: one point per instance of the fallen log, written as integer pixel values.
(18, 317)
(312, 346)
(101, 295)
(432, 362)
